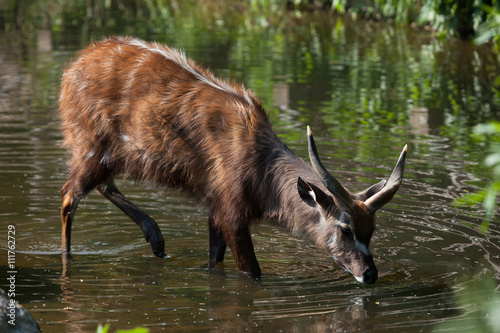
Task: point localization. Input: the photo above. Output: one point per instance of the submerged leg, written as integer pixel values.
(79, 184)
(68, 210)
(217, 243)
(239, 240)
(149, 227)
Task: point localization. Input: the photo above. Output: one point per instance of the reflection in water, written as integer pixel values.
(281, 95)
(69, 299)
(419, 121)
(365, 91)
(44, 41)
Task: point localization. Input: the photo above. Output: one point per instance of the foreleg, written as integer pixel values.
(149, 227)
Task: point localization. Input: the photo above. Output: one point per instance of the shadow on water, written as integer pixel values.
(365, 88)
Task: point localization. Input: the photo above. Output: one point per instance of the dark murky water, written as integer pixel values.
(366, 91)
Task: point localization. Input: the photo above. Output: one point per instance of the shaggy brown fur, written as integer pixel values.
(144, 110)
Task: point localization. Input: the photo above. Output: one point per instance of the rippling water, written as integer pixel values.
(364, 98)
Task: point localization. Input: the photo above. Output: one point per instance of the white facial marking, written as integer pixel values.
(322, 221)
(343, 225)
(360, 279)
(362, 247)
(332, 242)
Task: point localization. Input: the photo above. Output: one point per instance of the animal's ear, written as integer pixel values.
(312, 195)
(306, 192)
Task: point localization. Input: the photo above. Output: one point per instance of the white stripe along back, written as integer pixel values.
(179, 58)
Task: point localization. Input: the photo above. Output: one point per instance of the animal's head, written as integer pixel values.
(348, 220)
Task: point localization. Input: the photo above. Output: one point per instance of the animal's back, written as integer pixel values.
(146, 110)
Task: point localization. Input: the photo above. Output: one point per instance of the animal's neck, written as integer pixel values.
(284, 205)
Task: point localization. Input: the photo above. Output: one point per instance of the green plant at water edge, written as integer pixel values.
(105, 329)
(466, 18)
(479, 19)
(478, 301)
(490, 28)
(489, 134)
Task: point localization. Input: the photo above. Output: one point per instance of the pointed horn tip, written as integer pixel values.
(309, 132)
(403, 152)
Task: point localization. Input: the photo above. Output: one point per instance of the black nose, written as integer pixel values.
(370, 275)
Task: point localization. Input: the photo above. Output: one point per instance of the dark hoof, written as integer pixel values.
(158, 248)
(162, 255)
(253, 275)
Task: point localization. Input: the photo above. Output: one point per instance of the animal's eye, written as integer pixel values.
(347, 232)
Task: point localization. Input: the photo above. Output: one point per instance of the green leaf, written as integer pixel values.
(134, 330)
(105, 329)
(101, 329)
(492, 159)
(470, 199)
(489, 128)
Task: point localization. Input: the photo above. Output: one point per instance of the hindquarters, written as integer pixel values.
(145, 110)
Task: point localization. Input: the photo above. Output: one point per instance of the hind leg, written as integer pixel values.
(148, 226)
(78, 185)
(69, 205)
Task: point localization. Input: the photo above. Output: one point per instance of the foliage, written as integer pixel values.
(489, 134)
(479, 303)
(404, 11)
(479, 19)
(490, 28)
(465, 18)
(105, 329)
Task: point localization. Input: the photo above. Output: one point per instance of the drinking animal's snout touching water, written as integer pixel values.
(145, 110)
